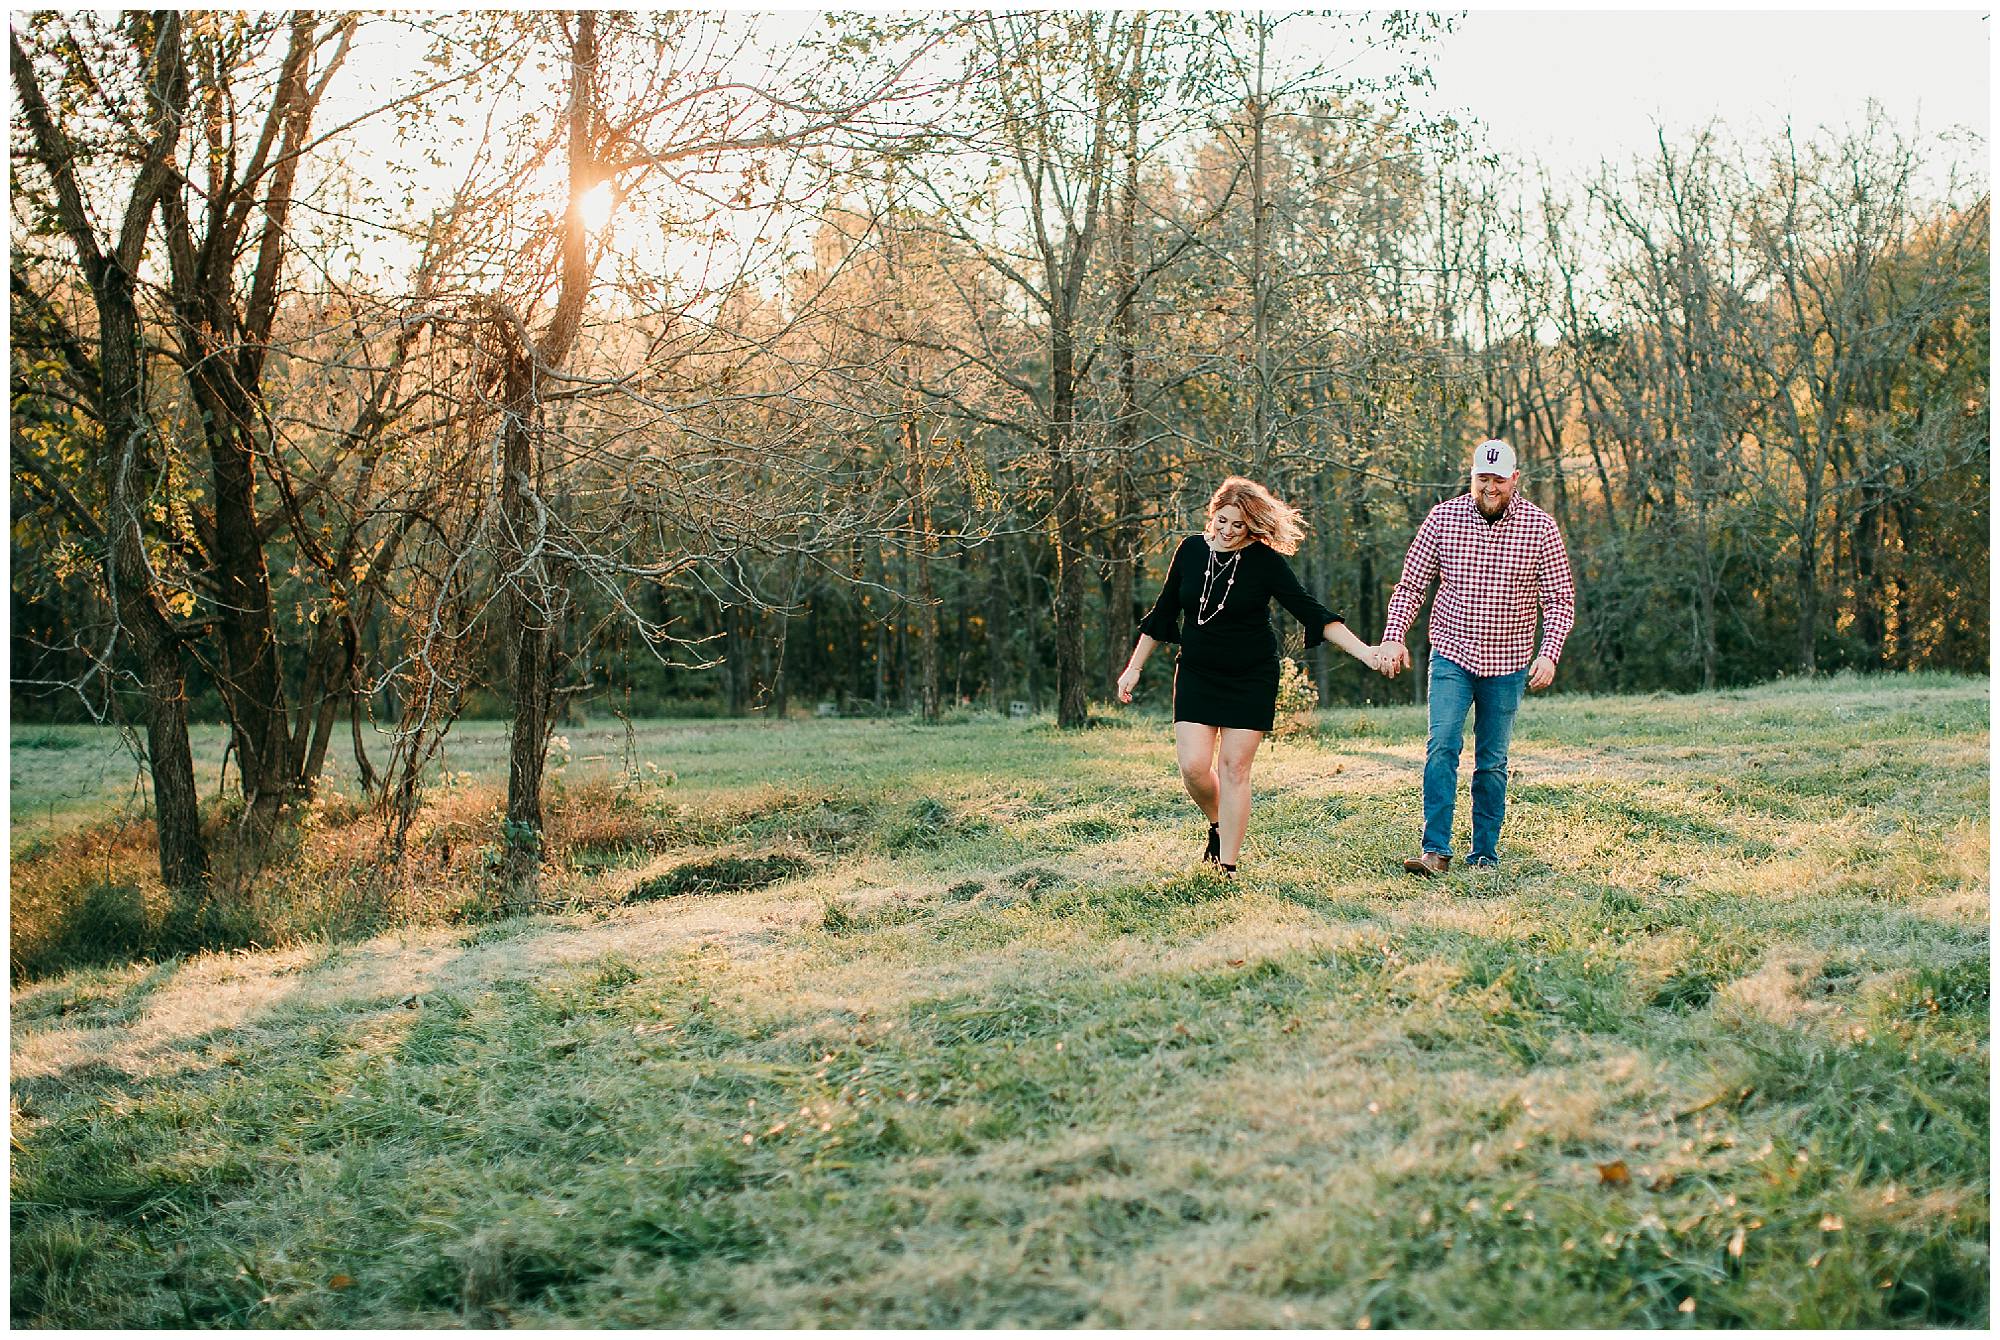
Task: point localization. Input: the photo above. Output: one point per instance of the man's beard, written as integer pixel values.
(1479, 501)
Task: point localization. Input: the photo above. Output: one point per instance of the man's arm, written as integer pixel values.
(1558, 608)
(1420, 568)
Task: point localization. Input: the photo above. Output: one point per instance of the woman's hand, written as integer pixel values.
(1137, 662)
(1379, 658)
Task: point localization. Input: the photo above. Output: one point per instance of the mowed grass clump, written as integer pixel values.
(946, 1027)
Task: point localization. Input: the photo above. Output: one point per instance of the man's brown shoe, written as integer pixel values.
(1430, 863)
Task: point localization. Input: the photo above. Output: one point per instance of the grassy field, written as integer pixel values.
(871, 1024)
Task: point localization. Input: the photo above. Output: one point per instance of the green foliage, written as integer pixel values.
(1298, 699)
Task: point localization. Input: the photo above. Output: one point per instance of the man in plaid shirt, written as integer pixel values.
(1495, 557)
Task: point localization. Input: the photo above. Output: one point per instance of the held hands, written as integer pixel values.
(1389, 658)
(1378, 659)
(1127, 682)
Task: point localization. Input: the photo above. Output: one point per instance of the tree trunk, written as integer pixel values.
(1871, 593)
(927, 616)
(226, 344)
(1031, 670)
(767, 661)
(995, 553)
(362, 767)
(857, 643)
(1124, 548)
(534, 606)
(251, 676)
(1072, 705)
(1808, 583)
(963, 638)
(538, 599)
(783, 671)
(882, 654)
(326, 712)
(1705, 618)
(130, 581)
(736, 637)
(177, 808)
(183, 853)
(905, 687)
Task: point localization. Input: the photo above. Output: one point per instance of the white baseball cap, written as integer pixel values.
(1493, 457)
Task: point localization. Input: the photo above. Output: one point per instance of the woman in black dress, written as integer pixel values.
(1216, 604)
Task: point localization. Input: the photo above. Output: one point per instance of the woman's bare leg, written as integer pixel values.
(1239, 750)
(1194, 743)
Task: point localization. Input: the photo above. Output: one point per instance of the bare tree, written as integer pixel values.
(587, 412)
(237, 199)
(1044, 93)
(1826, 230)
(1682, 405)
(250, 375)
(115, 382)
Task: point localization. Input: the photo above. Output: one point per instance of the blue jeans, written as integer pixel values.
(1455, 691)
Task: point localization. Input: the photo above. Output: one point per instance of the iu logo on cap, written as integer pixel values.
(1492, 455)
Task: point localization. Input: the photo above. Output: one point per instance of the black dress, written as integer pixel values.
(1228, 672)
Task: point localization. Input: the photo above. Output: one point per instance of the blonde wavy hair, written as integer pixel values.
(1277, 523)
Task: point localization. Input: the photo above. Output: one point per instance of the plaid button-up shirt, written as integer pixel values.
(1491, 576)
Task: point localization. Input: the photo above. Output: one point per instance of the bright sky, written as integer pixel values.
(1571, 87)
(1568, 87)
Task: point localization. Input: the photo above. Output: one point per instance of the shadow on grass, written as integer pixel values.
(110, 923)
(91, 1003)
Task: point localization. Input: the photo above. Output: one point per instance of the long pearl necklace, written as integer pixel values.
(1209, 573)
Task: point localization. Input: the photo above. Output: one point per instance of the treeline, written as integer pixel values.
(1749, 381)
(886, 378)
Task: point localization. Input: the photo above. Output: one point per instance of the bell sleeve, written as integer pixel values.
(1163, 622)
(1285, 589)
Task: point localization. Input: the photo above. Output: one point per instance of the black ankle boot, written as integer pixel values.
(1214, 852)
